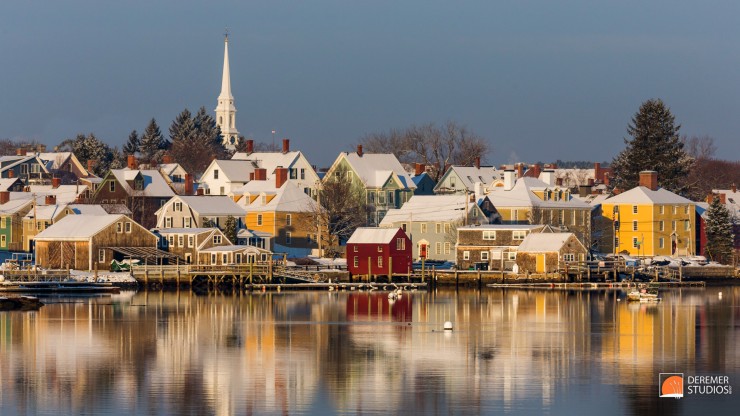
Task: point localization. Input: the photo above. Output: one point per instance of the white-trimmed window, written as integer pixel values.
(191, 241)
(380, 261)
(466, 255)
(675, 209)
(112, 186)
(634, 209)
(447, 248)
(167, 222)
(356, 261)
(356, 248)
(438, 248)
(437, 228)
(217, 239)
(177, 206)
(127, 226)
(380, 249)
(259, 219)
(215, 174)
(661, 243)
(662, 209)
(214, 258)
(171, 240)
(101, 255)
(484, 255)
(181, 240)
(187, 221)
(661, 225)
(119, 227)
(519, 235)
(288, 238)
(423, 227)
(489, 235)
(634, 225)
(447, 228)
(288, 220)
(569, 257)
(3, 240)
(400, 244)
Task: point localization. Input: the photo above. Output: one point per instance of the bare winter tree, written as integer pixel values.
(435, 146)
(699, 147)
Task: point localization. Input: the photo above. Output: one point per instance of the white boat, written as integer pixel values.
(643, 295)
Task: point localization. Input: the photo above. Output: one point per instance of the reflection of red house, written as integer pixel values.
(377, 250)
(375, 306)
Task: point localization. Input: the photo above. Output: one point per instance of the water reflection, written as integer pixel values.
(317, 352)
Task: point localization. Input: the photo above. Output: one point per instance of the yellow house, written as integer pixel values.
(651, 221)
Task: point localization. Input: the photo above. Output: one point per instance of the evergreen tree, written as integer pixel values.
(230, 229)
(132, 145)
(720, 238)
(182, 128)
(241, 145)
(209, 134)
(655, 145)
(90, 148)
(152, 144)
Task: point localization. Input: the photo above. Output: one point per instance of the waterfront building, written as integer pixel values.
(30, 169)
(225, 110)
(385, 182)
(198, 211)
(233, 255)
(300, 171)
(13, 207)
(379, 251)
(91, 242)
(650, 221)
(187, 243)
(491, 246)
(548, 252)
(431, 222)
(41, 217)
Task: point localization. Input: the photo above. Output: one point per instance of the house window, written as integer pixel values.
(380, 249)
(293, 173)
(215, 174)
(634, 209)
(214, 258)
(3, 240)
(288, 237)
(171, 240)
(635, 243)
(662, 209)
(221, 191)
(356, 261)
(381, 197)
(191, 241)
(466, 255)
(437, 228)
(288, 219)
(616, 242)
(675, 209)
(514, 215)
(519, 235)
(3, 223)
(661, 225)
(400, 244)
(356, 248)
(303, 173)
(423, 227)
(634, 225)
(259, 219)
(447, 248)
(217, 239)
(119, 227)
(686, 209)
(452, 181)
(661, 242)
(673, 225)
(380, 261)
(390, 197)
(127, 227)
(569, 257)
(512, 255)
(484, 255)
(447, 228)
(101, 255)
(224, 258)
(168, 222)
(489, 235)
(181, 240)
(187, 222)
(177, 206)
(438, 248)
(562, 216)
(112, 186)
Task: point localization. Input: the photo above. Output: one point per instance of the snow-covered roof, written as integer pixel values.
(246, 233)
(154, 183)
(65, 194)
(234, 170)
(429, 208)
(592, 199)
(288, 198)
(232, 248)
(374, 169)
(45, 212)
(15, 205)
(418, 178)
(521, 195)
(184, 230)
(55, 160)
(544, 242)
(170, 168)
(732, 201)
(79, 227)
(269, 160)
(469, 175)
(212, 205)
(501, 227)
(643, 195)
(372, 235)
(88, 209)
(18, 160)
(6, 183)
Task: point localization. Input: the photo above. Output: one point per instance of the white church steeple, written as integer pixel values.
(225, 111)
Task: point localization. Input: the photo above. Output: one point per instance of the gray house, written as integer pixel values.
(491, 247)
(431, 222)
(199, 211)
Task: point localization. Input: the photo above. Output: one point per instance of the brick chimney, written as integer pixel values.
(359, 150)
(11, 173)
(281, 176)
(590, 182)
(519, 170)
(649, 179)
(734, 188)
(131, 162)
(50, 200)
(723, 199)
(607, 180)
(286, 145)
(260, 174)
(559, 181)
(4, 197)
(199, 192)
(167, 158)
(250, 146)
(597, 172)
(55, 182)
(19, 151)
(419, 168)
(251, 176)
(536, 170)
(477, 162)
(188, 184)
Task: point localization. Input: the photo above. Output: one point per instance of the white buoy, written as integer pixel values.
(448, 326)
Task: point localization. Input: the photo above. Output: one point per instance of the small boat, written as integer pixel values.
(643, 295)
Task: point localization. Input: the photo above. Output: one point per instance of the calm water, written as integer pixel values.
(515, 351)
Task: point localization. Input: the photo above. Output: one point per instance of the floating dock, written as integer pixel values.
(57, 287)
(593, 285)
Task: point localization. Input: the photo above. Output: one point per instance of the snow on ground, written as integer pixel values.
(111, 277)
(325, 261)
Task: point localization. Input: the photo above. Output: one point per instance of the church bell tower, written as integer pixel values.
(226, 111)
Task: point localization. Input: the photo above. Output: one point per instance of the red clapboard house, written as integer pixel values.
(383, 248)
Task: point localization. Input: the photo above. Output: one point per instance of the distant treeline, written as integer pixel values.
(575, 164)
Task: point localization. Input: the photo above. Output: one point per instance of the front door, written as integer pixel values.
(540, 263)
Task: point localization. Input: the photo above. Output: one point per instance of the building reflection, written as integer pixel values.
(178, 353)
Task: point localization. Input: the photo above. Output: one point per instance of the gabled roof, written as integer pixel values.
(170, 168)
(88, 209)
(15, 205)
(184, 230)
(269, 160)
(45, 212)
(55, 160)
(372, 235)
(544, 242)
(502, 227)
(643, 195)
(210, 205)
(79, 227)
(233, 170)
(288, 198)
(521, 195)
(154, 183)
(7, 183)
(430, 208)
(19, 160)
(65, 194)
(418, 178)
(469, 175)
(374, 169)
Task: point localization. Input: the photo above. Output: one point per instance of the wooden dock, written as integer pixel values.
(593, 285)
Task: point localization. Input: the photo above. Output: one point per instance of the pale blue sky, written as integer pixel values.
(541, 80)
